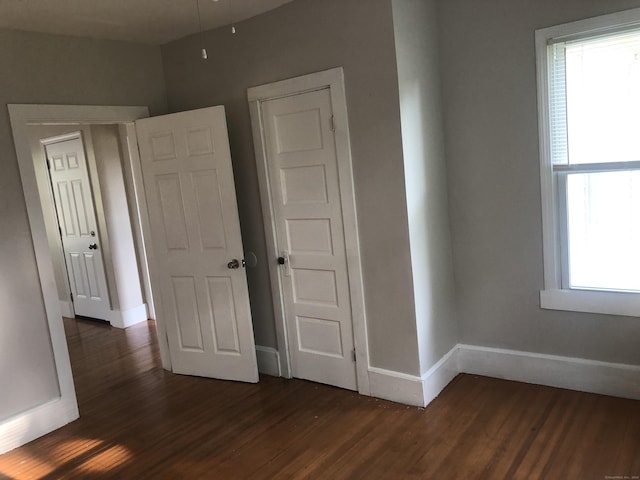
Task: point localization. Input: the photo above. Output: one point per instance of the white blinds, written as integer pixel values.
(594, 99)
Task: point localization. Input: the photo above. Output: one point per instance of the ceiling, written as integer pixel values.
(145, 21)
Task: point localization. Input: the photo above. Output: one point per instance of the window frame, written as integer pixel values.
(556, 294)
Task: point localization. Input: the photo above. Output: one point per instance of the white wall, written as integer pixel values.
(416, 39)
(489, 85)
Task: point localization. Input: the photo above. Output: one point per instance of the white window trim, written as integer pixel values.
(554, 296)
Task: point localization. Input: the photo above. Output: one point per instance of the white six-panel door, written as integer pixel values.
(195, 238)
(305, 196)
(78, 226)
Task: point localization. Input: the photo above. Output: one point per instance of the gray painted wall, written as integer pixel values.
(489, 79)
(416, 37)
(299, 38)
(61, 70)
(123, 263)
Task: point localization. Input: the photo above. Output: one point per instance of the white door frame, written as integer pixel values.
(334, 80)
(47, 417)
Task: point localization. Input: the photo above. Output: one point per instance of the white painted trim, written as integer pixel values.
(30, 425)
(268, 360)
(296, 85)
(127, 318)
(578, 374)
(137, 210)
(334, 80)
(66, 308)
(396, 386)
(613, 303)
(550, 234)
(601, 24)
(603, 378)
(440, 375)
(44, 418)
(411, 389)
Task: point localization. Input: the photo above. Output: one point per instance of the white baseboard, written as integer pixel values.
(396, 386)
(66, 309)
(603, 378)
(440, 375)
(127, 318)
(268, 360)
(411, 389)
(614, 379)
(36, 422)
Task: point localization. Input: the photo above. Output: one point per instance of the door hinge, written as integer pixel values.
(71, 295)
(48, 164)
(333, 123)
(354, 354)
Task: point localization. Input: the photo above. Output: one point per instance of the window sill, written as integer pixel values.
(612, 303)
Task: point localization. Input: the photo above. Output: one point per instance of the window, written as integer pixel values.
(589, 114)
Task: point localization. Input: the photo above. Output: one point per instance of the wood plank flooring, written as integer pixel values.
(140, 422)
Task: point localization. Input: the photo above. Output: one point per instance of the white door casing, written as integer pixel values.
(302, 150)
(195, 233)
(77, 223)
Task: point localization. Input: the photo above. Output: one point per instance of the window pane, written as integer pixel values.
(603, 98)
(603, 219)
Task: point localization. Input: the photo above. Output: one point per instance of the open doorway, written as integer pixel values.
(62, 408)
(91, 231)
(199, 143)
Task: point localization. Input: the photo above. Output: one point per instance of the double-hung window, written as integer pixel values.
(589, 127)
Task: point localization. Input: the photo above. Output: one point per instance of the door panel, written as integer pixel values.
(195, 233)
(303, 173)
(78, 227)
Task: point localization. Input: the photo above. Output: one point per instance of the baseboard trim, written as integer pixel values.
(440, 375)
(127, 318)
(396, 386)
(268, 360)
(66, 309)
(36, 422)
(603, 378)
(592, 376)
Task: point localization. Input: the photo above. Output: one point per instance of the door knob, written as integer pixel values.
(93, 246)
(235, 263)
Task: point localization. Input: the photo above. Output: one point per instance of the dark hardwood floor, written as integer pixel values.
(140, 422)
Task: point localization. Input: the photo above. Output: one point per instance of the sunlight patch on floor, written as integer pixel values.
(86, 455)
(27, 469)
(73, 449)
(106, 460)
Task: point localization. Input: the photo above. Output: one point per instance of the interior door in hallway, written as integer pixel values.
(78, 227)
(305, 196)
(197, 268)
